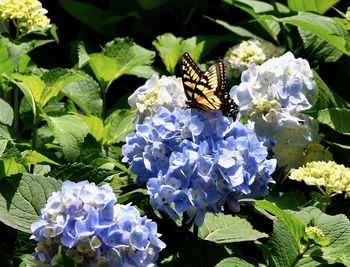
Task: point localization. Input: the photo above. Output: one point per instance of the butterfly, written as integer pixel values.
(206, 90)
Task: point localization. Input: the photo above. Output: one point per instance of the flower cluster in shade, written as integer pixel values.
(239, 57)
(28, 15)
(165, 91)
(93, 230)
(273, 96)
(330, 178)
(194, 162)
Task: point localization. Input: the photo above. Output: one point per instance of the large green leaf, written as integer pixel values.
(86, 94)
(222, 229)
(22, 197)
(330, 108)
(69, 132)
(6, 112)
(317, 6)
(234, 262)
(100, 20)
(77, 172)
(120, 123)
(256, 9)
(324, 27)
(118, 57)
(6, 63)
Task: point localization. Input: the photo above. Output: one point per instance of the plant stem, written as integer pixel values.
(15, 108)
(103, 104)
(35, 132)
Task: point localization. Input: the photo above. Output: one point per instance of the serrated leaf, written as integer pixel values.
(317, 48)
(86, 94)
(294, 225)
(233, 262)
(170, 50)
(82, 55)
(22, 197)
(69, 131)
(317, 6)
(11, 160)
(96, 126)
(330, 108)
(145, 71)
(256, 9)
(118, 57)
(34, 157)
(77, 172)
(222, 229)
(6, 112)
(58, 79)
(6, 64)
(121, 123)
(324, 27)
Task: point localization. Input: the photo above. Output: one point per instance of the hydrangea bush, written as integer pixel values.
(100, 151)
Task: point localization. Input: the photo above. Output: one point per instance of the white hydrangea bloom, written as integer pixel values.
(165, 91)
(273, 96)
(238, 58)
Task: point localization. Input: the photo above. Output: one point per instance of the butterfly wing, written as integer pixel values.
(205, 90)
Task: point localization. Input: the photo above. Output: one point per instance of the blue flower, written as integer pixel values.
(93, 229)
(206, 157)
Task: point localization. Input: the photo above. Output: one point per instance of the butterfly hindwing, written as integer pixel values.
(206, 90)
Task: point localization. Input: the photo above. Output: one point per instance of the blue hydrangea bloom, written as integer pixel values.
(93, 229)
(195, 161)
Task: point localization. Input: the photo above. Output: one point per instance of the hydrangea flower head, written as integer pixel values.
(93, 230)
(273, 96)
(239, 57)
(330, 178)
(165, 91)
(28, 15)
(195, 161)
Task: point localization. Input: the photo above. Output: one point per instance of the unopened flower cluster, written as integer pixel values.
(273, 96)
(330, 178)
(165, 91)
(193, 162)
(239, 57)
(28, 15)
(93, 229)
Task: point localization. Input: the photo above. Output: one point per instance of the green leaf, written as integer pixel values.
(6, 112)
(86, 94)
(324, 27)
(317, 6)
(58, 79)
(222, 229)
(11, 160)
(6, 64)
(121, 123)
(118, 57)
(256, 9)
(317, 48)
(145, 71)
(170, 50)
(100, 20)
(34, 157)
(79, 172)
(152, 4)
(330, 108)
(96, 126)
(293, 224)
(239, 31)
(69, 132)
(233, 262)
(82, 55)
(22, 197)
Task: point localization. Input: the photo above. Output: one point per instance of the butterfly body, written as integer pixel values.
(206, 90)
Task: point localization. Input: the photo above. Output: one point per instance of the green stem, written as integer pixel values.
(103, 104)
(35, 132)
(15, 108)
